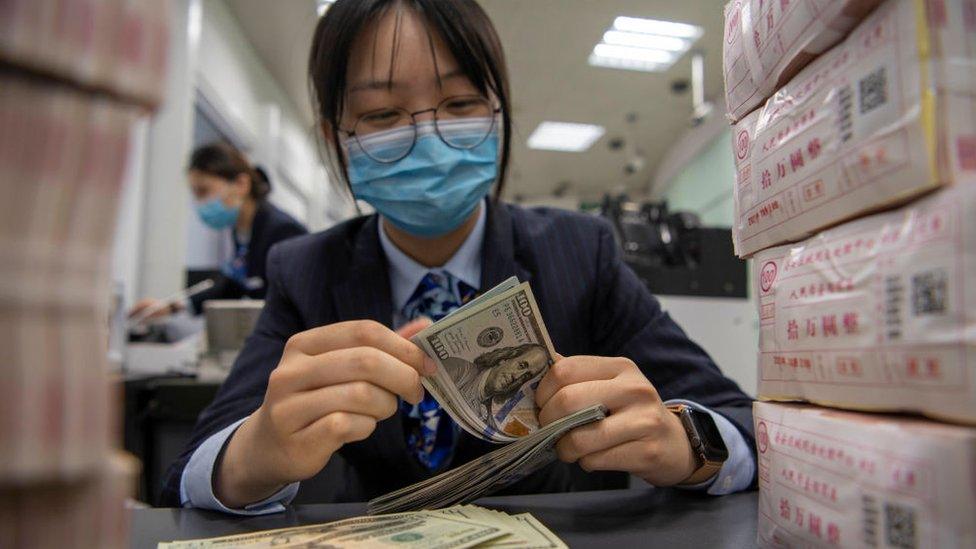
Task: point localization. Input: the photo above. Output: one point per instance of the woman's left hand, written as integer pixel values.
(639, 435)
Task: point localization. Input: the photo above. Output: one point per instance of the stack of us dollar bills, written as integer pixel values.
(490, 355)
(455, 528)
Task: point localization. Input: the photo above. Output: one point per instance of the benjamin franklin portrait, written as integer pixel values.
(496, 376)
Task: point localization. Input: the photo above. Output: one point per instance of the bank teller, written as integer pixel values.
(413, 100)
(232, 195)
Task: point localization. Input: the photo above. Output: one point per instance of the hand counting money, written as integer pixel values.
(490, 356)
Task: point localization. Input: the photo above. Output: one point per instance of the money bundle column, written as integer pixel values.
(74, 76)
(861, 310)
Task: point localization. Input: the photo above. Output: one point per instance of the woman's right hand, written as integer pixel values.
(331, 387)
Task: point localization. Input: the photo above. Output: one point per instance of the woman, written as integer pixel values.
(231, 195)
(413, 102)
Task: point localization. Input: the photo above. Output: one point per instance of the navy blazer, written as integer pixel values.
(270, 227)
(592, 303)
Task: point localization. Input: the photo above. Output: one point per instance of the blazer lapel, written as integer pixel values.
(499, 255)
(365, 291)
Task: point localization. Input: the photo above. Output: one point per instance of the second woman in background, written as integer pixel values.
(231, 195)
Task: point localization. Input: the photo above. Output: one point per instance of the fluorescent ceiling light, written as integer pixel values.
(565, 136)
(636, 54)
(640, 40)
(653, 26)
(643, 44)
(322, 5)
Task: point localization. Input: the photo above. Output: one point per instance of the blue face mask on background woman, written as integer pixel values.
(216, 215)
(431, 191)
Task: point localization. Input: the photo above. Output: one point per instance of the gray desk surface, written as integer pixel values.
(639, 517)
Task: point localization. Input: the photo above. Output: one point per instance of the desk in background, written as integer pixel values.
(638, 517)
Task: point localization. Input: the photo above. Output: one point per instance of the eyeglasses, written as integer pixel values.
(389, 135)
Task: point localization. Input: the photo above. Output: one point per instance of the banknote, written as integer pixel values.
(421, 529)
(459, 526)
(527, 532)
(490, 356)
(492, 471)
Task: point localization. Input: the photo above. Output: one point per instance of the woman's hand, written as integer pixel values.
(331, 387)
(639, 436)
(161, 309)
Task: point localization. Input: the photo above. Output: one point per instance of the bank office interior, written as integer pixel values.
(237, 73)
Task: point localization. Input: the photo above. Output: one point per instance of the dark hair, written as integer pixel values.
(462, 24)
(226, 162)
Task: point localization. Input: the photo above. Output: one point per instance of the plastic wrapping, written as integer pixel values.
(88, 513)
(842, 479)
(886, 115)
(62, 155)
(768, 41)
(118, 47)
(876, 314)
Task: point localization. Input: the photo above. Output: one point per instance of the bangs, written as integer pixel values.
(461, 24)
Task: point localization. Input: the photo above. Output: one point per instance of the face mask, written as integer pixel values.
(216, 215)
(434, 189)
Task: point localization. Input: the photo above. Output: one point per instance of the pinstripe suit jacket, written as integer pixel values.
(591, 301)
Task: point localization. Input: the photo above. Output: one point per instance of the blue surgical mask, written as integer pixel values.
(431, 191)
(216, 215)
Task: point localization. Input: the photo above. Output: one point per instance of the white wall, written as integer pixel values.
(209, 58)
(236, 83)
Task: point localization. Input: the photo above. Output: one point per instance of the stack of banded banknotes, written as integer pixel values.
(454, 528)
(490, 354)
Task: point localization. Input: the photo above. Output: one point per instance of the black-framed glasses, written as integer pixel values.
(388, 135)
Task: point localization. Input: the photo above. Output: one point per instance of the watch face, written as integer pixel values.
(712, 443)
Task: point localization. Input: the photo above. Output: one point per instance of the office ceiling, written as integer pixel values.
(547, 43)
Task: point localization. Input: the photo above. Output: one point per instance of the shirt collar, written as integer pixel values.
(406, 274)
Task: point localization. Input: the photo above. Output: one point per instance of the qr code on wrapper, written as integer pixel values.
(929, 292)
(900, 526)
(873, 90)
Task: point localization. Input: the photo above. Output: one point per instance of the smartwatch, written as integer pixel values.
(706, 442)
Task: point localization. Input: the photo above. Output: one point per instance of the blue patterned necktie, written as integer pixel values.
(430, 431)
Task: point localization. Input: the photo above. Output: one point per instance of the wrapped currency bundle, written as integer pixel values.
(842, 479)
(886, 115)
(768, 41)
(62, 156)
(876, 314)
(455, 528)
(87, 513)
(119, 47)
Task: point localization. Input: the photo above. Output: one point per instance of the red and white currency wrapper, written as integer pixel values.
(118, 47)
(884, 116)
(877, 313)
(843, 479)
(768, 41)
(86, 513)
(61, 155)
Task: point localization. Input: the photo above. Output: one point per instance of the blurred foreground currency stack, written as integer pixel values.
(490, 355)
(75, 76)
(855, 196)
(454, 528)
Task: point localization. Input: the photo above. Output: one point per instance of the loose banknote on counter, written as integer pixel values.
(490, 355)
(455, 528)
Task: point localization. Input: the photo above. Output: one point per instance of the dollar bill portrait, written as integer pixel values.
(497, 383)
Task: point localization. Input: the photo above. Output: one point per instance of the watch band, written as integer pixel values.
(706, 468)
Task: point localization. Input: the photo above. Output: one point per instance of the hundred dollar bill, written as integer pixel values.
(420, 529)
(490, 356)
(488, 473)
